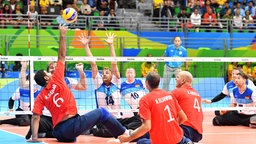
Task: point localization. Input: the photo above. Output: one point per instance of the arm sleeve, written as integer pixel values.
(10, 103)
(218, 97)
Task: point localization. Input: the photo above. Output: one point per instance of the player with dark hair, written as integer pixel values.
(59, 100)
(107, 85)
(227, 90)
(173, 68)
(190, 102)
(241, 96)
(161, 116)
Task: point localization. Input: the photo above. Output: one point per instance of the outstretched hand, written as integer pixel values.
(206, 101)
(110, 38)
(84, 39)
(80, 66)
(63, 29)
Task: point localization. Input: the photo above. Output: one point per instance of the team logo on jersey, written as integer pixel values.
(137, 85)
(247, 97)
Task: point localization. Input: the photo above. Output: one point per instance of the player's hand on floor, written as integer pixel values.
(34, 141)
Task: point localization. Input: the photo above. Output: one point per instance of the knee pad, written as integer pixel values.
(104, 114)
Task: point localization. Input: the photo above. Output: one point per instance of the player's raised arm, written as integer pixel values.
(23, 82)
(62, 46)
(84, 39)
(82, 84)
(110, 41)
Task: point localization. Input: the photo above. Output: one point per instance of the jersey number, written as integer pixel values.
(55, 101)
(135, 95)
(196, 105)
(167, 108)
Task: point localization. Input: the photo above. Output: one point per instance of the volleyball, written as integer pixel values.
(69, 15)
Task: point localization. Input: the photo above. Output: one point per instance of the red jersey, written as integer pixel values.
(190, 102)
(56, 97)
(162, 109)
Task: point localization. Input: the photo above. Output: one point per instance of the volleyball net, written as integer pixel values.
(210, 76)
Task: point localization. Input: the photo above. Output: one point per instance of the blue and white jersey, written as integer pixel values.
(132, 92)
(108, 97)
(71, 82)
(227, 90)
(245, 99)
(23, 95)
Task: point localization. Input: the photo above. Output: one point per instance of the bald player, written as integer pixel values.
(190, 102)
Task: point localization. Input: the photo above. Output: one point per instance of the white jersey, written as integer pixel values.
(132, 92)
(108, 97)
(228, 88)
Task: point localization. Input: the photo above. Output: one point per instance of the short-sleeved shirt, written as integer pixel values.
(171, 51)
(228, 88)
(245, 99)
(162, 109)
(145, 69)
(23, 95)
(190, 102)
(132, 92)
(56, 97)
(108, 97)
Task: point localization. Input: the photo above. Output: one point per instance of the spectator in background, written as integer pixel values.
(44, 3)
(167, 13)
(224, 9)
(248, 68)
(227, 19)
(102, 5)
(85, 9)
(92, 3)
(183, 17)
(209, 19)
(238, 20)
(207, 7)
(33, 15)
(17, 64)
(101, 21)
(6, 17)
(214, 3)
(1, 4)
(57, 3)
(241, 10)
(45, 20)
(199, 7)
(112, 21)
(156, 9)
(195, 19)
(190, 4)
(248, 20)
(251, 8)
(147, 67)
(18, 18)
(12, 4)
(75, 6)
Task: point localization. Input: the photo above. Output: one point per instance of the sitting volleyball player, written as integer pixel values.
(227, 89)
(241, 96)
(59, 100)
(132, 90)
(45, 125)
(23, 95)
